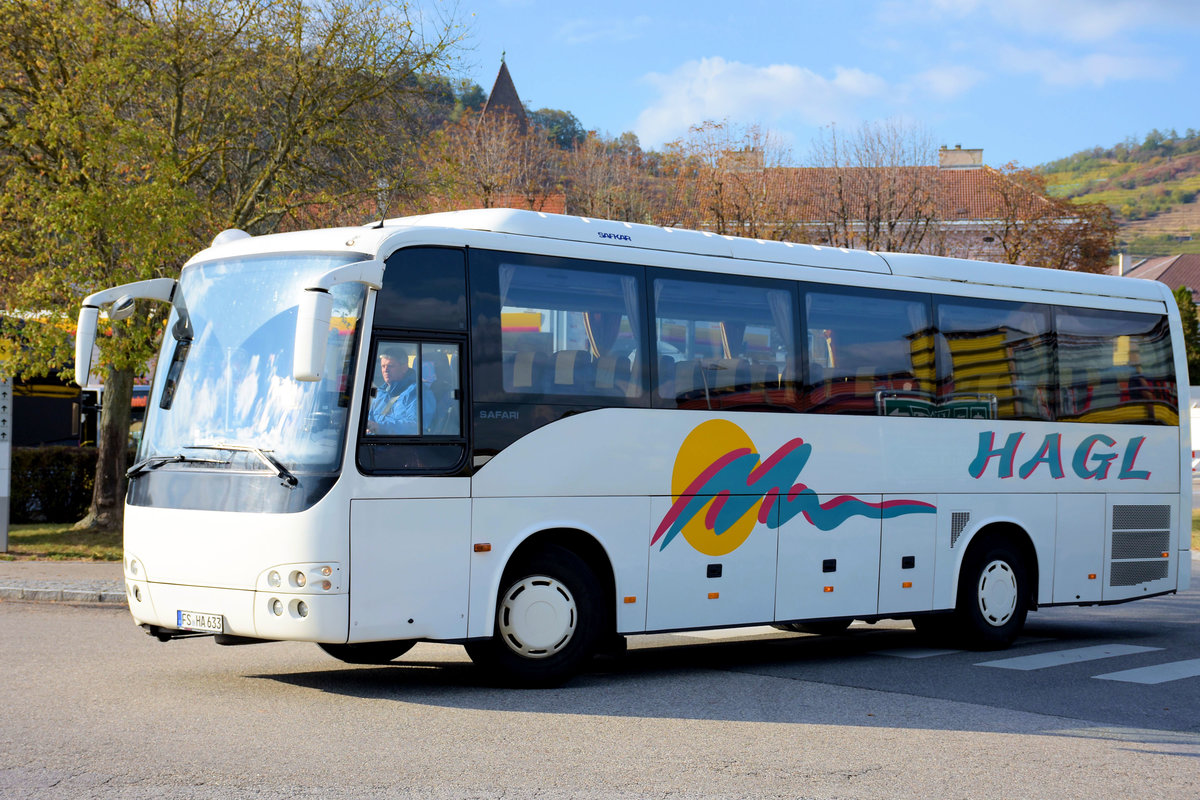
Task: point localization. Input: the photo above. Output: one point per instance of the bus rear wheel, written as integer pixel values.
(368, 652)
(993, 596)
(548, 621)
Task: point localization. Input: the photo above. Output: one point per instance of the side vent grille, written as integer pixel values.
(1140, 536)
(958, 523)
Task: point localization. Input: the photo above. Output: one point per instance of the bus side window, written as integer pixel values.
(870, 352)
(994, 356)
(724, 344)
(1115, 367)
(412, 418)
(569, 334)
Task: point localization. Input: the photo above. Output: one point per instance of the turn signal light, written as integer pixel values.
(713, 595)
(828, 589)
(906, 585)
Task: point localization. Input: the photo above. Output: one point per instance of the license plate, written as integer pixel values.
(199, 621)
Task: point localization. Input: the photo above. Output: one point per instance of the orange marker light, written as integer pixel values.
(483, 547)
(906, 585)
(630, 599)
(1166, 555)
(713, 595)
(1091, 576)
(828, 589)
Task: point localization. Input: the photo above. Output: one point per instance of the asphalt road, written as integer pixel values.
(94, 708)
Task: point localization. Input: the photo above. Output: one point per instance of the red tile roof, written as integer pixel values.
(1174, 271)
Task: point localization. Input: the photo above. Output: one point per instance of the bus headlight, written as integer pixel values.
(318, 578)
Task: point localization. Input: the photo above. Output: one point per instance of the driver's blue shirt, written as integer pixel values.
(394, 410)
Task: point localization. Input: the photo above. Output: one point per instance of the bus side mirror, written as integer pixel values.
(85, 340)
(120, 299)
(312, 334)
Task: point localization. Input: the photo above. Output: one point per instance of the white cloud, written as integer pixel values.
(617, 29)
(1093, 21)
(947, 83)
(1058, 69)
(713, 88)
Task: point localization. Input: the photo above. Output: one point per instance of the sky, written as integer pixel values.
(1025, 80)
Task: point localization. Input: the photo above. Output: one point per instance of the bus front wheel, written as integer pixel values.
(368, 652)
(993, 596)
(548, 620)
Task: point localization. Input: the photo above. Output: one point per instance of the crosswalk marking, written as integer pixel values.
(1161, 673)
(1073, 656)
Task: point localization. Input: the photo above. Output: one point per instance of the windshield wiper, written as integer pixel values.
(154, 462)
(285, 476)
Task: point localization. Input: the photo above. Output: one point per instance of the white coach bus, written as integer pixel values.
(536, 434)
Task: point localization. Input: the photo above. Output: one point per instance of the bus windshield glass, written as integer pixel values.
(224, 375)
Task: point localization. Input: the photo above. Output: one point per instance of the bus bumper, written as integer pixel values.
(277, 616)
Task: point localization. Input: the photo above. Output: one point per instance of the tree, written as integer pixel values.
(877, 189)
(604, 179)
(132, 130)
(1036, 230)
(1191, 331)
(490, 162)
(729, 180)
(561, 126)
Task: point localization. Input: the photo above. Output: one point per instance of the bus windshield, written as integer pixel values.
(224, 374)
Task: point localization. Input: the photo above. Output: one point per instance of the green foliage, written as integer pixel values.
(1191, 332)
(51, 484)
(1136, 181)
(1163, 245)
(469, 97)
(561, 126)
(58, 542)
(131, 131)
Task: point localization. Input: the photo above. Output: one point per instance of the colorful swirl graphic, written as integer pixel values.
(721, 488)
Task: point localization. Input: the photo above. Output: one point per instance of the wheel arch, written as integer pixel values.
(1011, 533)
(580, 542)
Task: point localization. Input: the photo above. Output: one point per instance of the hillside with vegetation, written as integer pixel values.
(1153, 189)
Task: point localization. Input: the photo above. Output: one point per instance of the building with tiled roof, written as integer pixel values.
(954, 208)
(1174, 271)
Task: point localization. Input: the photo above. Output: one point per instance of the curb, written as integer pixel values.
(42, 594)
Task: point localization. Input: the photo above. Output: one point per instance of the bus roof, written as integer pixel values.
(373, 238)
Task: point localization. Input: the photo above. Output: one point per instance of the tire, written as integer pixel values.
(368, 652)
(549, 619)
(828, 627)
(993, 596)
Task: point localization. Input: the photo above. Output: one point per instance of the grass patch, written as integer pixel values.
(1196, 530)
(60, 543)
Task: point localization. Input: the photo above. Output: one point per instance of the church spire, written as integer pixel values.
(504, 99)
